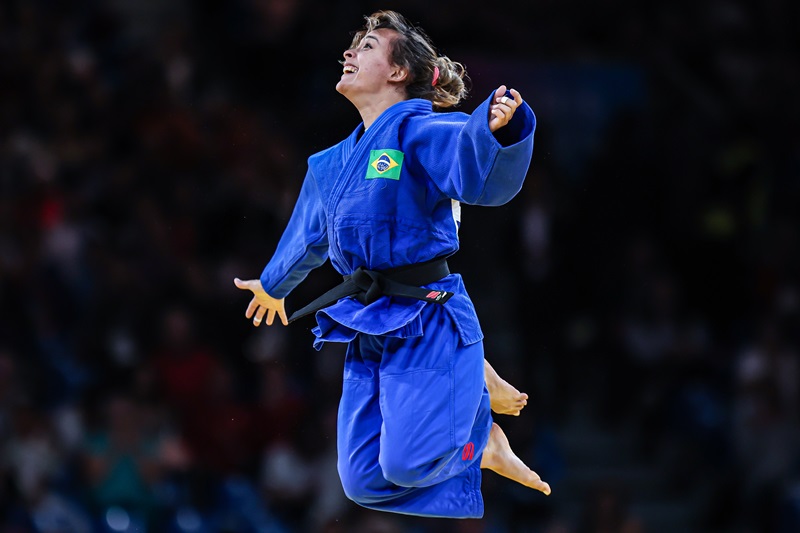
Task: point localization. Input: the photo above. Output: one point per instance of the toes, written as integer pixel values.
(510, 405)
(540, 485)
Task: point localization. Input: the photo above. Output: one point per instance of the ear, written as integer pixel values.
(398, 74)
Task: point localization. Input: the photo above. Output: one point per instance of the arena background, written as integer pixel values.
(643, 288)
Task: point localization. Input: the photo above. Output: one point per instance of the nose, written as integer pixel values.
(348, 54)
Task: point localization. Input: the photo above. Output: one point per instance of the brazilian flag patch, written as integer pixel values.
(384, 164)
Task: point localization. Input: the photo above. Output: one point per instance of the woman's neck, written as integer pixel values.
(371, 108)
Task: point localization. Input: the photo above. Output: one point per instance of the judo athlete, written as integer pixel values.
(414, 424)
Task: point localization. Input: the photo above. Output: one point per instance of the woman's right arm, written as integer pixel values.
(302, 248)
(303, 245)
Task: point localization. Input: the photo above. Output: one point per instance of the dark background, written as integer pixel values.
(643, 287)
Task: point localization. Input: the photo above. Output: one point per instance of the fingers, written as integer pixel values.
(502, 110)
(506, 110)
(244, 285)
(251, 308)
(261, 311)
(261, 304)
(282, 314)
(508, 104)
(259, 316)
(501, 96)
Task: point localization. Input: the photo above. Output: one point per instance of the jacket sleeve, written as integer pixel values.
(468, 162)
(303, 245)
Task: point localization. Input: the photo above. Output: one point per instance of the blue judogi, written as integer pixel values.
(414, 416)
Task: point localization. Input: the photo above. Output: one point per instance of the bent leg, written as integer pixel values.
(434, 403)
(359, 424)
(359, 446)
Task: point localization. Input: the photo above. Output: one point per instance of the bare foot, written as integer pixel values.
(505, 399)
(498, 457)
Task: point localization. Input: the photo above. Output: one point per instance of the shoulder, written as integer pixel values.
(435, 123)
(438, 117)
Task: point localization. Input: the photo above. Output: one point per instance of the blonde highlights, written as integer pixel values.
(414, 51)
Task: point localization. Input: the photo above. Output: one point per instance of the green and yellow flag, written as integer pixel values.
(385, 164)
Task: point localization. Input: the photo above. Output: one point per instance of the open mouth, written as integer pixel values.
(349, 69)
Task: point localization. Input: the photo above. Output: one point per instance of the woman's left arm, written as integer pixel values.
(484, 159)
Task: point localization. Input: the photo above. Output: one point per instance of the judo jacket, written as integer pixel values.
(389, 197)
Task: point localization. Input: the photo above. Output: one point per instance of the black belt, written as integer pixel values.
(369, 285)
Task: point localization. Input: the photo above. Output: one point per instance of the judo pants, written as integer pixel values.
(413, 422)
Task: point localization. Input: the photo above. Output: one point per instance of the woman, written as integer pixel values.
(414, 425)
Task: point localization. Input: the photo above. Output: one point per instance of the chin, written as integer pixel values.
(343, 88)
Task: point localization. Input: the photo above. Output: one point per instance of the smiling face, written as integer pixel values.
(368, 69)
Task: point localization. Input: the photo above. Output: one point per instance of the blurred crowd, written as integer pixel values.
(648, 274)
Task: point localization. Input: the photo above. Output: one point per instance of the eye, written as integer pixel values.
(367, 46)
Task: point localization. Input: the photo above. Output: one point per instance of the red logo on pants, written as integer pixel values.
(468, 453)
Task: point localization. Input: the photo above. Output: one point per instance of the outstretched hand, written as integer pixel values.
(501, 111)
(262, 303)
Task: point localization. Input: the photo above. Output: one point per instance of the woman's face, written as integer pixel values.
(368, 68)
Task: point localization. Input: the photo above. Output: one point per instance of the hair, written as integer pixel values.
(414, 50)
